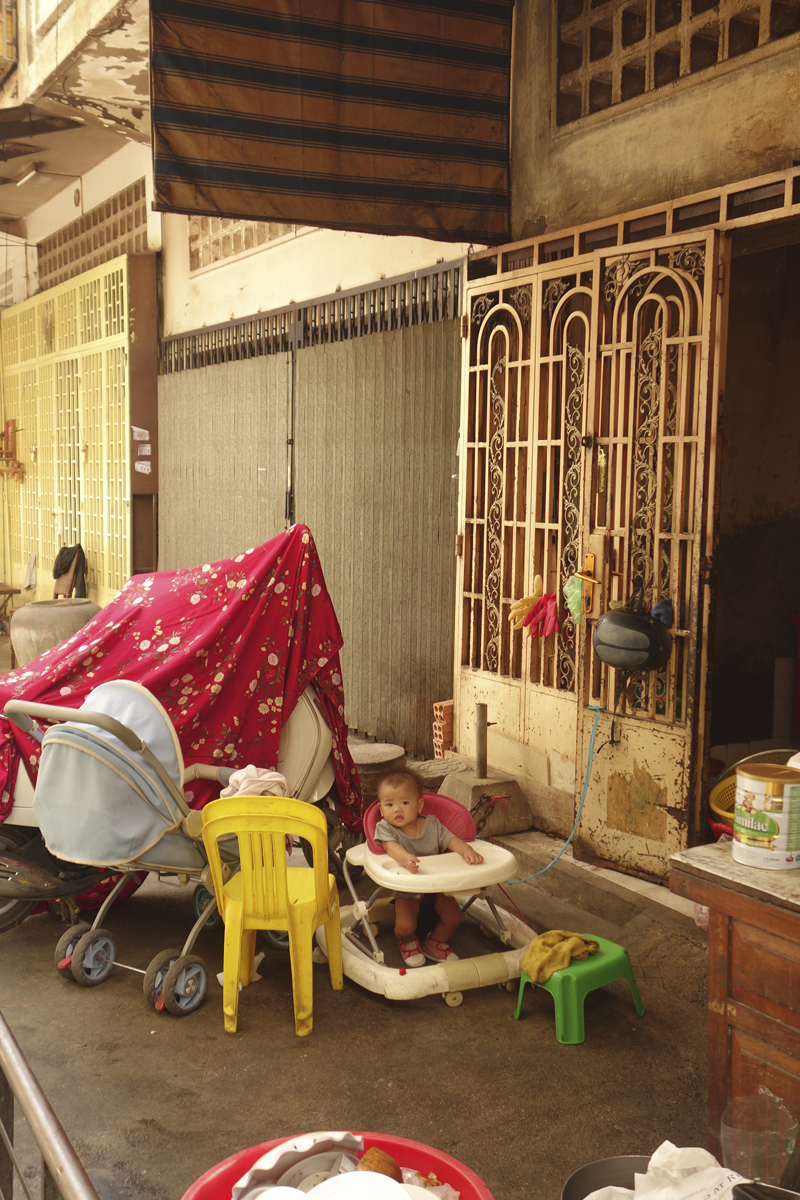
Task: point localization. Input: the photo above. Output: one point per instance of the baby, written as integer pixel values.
(406, 835)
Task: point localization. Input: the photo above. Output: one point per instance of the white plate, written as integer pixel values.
(360, 1185)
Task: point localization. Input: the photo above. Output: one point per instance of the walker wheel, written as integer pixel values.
(93, 957)
(154, 976)
(488, 933)
(65, 946)
(184, 986)
(453, 999)
(374, 929)
(509, 986)
(274, 939)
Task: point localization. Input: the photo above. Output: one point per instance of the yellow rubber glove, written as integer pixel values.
(520, 608)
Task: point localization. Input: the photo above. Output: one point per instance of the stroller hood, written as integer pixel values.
(98, 802)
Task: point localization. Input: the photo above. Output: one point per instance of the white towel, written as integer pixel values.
(256, 781)
(29, 582)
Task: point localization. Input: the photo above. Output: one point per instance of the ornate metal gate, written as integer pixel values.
(588, 429)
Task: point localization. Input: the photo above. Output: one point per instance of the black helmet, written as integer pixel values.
(631, 641)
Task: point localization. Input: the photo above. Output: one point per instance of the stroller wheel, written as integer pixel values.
(65, 946)
(201, 898)
(93, 957)
(154, 976)
(185, 985)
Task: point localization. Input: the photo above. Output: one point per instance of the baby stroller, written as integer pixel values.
(109, 794)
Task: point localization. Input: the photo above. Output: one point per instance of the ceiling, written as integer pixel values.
(96, 100)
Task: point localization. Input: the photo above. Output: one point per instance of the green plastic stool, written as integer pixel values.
(570, 987)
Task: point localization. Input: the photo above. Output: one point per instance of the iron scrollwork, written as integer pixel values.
(552, 294)
(481, 307)
(618, 272)
(648, 388)
(494, 523)
(570, 507)
(520, 298)
(691, 260)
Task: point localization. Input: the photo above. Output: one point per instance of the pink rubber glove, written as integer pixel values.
(543, 617)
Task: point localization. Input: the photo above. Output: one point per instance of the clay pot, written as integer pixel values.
(42, 624)
(372, 760)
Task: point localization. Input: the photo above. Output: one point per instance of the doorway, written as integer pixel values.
(757, 560)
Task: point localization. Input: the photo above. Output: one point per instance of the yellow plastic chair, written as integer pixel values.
(267, 894)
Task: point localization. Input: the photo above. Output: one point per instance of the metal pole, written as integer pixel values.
(7, 1123)
(480, 741)
(67, 1172)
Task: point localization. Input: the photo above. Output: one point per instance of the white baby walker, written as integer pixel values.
(448, 873)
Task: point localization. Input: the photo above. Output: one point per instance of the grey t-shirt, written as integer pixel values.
(434, 839)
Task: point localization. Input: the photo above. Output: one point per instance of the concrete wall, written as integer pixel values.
(313, 263)
(129, 164)
(758, 560)
(739, 123)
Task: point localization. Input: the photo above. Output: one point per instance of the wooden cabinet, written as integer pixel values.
(753, 976)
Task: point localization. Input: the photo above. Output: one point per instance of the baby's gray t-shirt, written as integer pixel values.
(434, 839)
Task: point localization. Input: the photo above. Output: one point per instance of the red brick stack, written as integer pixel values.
(442, 727)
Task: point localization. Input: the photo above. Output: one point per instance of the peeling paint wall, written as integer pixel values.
(88, 56)
(734, 124)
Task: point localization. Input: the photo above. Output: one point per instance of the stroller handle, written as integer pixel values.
(20, 713)
(204, 771)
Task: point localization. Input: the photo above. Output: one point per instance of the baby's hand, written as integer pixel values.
(412, 863)
(472, 857)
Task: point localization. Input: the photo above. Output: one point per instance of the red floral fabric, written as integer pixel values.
(227, 647)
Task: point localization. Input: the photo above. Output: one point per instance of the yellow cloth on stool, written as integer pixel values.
(554, 950)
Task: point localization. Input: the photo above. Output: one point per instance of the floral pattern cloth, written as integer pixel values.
(227, 647)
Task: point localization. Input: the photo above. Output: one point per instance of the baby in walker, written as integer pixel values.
(406, 835)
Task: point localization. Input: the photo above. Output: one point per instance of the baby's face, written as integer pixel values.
(400, 804)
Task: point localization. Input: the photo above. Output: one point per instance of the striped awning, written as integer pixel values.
(386, 116)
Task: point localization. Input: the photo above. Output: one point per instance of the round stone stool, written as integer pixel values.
(42, 624)
(372, 760)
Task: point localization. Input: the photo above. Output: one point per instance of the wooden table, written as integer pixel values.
(753, 976)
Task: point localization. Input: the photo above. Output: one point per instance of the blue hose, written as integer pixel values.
(597, 709)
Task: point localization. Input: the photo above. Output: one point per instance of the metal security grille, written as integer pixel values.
(525, 420)
(649, 409)
(617, 424)
(612, 51)
(399, 303)
(115, 227)
(529, 504)
(65, 383)
(496, 447)
(565, 312)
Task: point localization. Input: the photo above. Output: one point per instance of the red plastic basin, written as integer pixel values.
(217, 1183)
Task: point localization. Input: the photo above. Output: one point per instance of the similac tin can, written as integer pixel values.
(766, 821)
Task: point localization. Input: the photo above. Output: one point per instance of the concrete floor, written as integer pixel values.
(151, 1101)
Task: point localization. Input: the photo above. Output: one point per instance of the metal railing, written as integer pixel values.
(63, 1175)
(421, 298)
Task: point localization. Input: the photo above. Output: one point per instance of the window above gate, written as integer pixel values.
(214, 239)
(613, 51)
